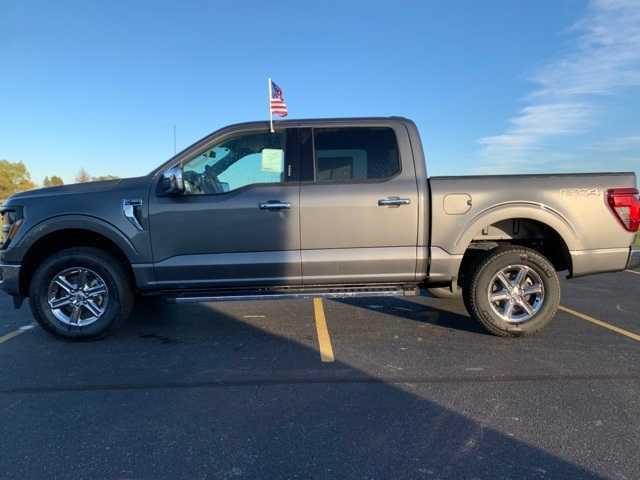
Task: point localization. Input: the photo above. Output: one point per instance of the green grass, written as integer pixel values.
(637, 242)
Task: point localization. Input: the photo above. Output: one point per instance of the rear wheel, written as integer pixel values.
(80, 293)
(513, 292)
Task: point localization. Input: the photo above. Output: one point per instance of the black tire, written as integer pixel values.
(476, 291)
(120, 292)
(467, 275)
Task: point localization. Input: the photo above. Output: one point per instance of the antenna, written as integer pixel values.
(174, 140)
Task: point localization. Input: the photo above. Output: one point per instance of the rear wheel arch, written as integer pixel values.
(526, 212)
(517, 231)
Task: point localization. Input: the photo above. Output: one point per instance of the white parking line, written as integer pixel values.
(633, 271)
(15, 333)
(600, 323)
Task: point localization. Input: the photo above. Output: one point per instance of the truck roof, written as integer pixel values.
(315, 121)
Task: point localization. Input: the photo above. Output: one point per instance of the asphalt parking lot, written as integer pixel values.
(390, 389)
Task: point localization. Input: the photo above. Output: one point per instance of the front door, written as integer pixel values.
(359, 214)
(237, 223)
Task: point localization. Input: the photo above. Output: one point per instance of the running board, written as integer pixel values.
(296, 295)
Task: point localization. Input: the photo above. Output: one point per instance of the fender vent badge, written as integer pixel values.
(130, 208)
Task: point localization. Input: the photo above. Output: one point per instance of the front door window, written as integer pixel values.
(249, 159)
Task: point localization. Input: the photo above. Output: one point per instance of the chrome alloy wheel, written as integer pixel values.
(516, 293)
(78, 296)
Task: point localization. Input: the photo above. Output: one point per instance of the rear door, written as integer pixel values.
(359, 214)
(238, 222)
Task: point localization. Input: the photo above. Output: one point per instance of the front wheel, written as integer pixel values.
(80, 293)
(513, 292)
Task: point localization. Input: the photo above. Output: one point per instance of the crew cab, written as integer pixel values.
(324, 207)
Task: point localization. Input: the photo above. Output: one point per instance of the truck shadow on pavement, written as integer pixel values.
(444, 315)
(194, 392)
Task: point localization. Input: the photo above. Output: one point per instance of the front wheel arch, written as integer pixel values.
(59, 240)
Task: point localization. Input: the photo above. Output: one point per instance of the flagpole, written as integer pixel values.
(270, 112)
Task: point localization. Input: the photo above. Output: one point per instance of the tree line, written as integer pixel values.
(15, 177)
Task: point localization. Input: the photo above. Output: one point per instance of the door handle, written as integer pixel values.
(274, 205)
(393, 202)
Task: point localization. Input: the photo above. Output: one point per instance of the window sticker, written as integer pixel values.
(272, 160)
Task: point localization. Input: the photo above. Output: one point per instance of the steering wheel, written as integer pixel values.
(209, 181)
(192, 182)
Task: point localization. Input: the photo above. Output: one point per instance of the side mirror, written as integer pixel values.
(171, 182)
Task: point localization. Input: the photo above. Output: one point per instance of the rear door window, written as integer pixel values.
(355, 154)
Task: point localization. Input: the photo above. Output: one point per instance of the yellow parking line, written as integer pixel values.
(602, 324)
(15, 333)
(324, 340)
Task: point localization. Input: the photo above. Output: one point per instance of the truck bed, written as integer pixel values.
(475, 208)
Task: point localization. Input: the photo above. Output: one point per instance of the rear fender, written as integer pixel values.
(523, 210)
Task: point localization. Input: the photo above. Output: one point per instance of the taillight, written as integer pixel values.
(625, 204)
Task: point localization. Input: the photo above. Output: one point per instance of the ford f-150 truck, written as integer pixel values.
(328, 207)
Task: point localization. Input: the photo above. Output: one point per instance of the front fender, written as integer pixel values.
(75, 222)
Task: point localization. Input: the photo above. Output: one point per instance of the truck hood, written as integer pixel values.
(76, 189)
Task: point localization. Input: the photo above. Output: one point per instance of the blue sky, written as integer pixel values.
(494, 86)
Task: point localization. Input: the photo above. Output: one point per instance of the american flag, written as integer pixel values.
(277, 104)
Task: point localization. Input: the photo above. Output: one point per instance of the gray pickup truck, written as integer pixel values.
(330, 207)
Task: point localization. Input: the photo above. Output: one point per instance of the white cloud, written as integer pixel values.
(604, 59)
(618, 144)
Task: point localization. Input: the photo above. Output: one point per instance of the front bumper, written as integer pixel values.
(634, 259)
(10, 279)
